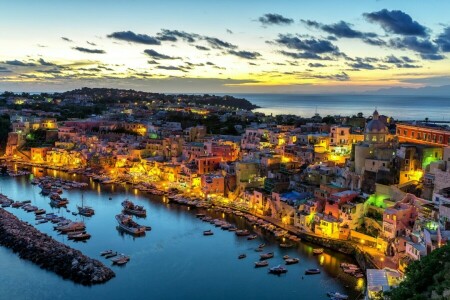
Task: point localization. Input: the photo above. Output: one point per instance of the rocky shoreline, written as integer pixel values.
(49, 254)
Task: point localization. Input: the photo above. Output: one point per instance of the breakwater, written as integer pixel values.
(49, 254)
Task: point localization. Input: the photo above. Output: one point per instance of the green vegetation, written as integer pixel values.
(428, 278)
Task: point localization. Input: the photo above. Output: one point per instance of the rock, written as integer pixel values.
(49, 254)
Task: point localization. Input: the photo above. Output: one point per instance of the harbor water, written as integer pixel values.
(173, 260)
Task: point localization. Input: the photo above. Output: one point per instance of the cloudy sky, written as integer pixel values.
(224, 46)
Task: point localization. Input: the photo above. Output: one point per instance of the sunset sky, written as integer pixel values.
(224, 46)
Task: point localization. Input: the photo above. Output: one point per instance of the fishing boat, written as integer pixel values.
(312, 271)
(266, 255)
(242, 256)
(208, 232)
(278, 270)
(286, 257)
(291, 261)
(318, 250)
(132, 209)
(85, 210)
(128, 225)
(261, 245)
(336, 295)
(262, 263)
(286, 245)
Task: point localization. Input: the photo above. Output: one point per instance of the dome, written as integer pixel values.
(375, 125)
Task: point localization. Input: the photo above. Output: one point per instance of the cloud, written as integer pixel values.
(66, 39)
(398, 22)
(424, 47)
(4, 70)
(19, 63)
(403, 62)
(87, 50)
(202, 48)
(152, 62)
(310, 45)
(338, 77)
(244, 54)
(45, 63)
(341, 29)
(132, 37)
(90, 43)
(432, 56)
(275, 19)
(304, 55)
(316, 65)
(229, 31)
(218, 44)
(156, 55)
(174, 35)
(171, 68)
(443, 40)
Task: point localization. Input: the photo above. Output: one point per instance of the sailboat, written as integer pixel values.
(85, 210)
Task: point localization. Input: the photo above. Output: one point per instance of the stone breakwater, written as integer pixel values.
(49, 254)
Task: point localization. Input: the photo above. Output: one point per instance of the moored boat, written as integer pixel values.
(132, 209)
(244, 232)
(278, 270)
(128, 225)
(242, 256)
(266, 255)
(208, 232)
(291, 261)
(336, 295)
(262, 263)
(318, 250)
(106, 252)
(312, 271)
(252, 237)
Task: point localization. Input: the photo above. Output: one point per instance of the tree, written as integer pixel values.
(426, 277)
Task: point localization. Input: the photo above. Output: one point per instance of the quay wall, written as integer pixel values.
(33, 245)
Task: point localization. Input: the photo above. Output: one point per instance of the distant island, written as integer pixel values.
(110, 95)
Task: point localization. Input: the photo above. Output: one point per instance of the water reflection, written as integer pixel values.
(174, 252)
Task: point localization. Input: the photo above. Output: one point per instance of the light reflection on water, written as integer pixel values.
(172, 261)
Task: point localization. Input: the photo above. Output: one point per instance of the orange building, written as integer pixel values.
(426, 134)
(207, 164)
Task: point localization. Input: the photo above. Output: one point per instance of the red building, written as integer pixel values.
(426, 134)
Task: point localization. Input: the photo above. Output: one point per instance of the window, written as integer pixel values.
(441, 139)
(405, 132)
(418, 135)
(413, 134)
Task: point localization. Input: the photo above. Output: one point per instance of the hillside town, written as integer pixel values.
(380, 184)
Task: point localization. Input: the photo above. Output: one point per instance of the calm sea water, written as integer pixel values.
(399, 107)
(173, 261)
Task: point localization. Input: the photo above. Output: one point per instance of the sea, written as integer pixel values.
(173, 260)
(403, 107)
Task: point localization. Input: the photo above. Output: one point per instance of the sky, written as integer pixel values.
(224, 46)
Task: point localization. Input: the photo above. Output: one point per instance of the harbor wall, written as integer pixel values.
(33, 245)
